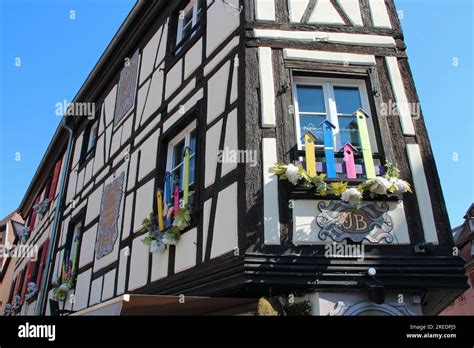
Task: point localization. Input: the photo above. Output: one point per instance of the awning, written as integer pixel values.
(130, 304)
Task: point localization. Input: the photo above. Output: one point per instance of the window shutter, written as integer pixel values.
(17, 284)
(31, 224)
(54, 182)
(29, 273)
(42, 262)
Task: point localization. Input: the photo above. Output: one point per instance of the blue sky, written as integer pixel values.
(58, 52)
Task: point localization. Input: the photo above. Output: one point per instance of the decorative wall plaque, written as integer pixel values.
(109, 213)
(339, 221)
(127, 88)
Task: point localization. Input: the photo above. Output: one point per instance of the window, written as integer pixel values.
(71, 252)
(37, 267)
(335, 100)
(189, 19)
(89, 142)
(175, 158)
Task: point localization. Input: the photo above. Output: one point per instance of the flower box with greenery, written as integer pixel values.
(61, 288)
(65, 282)
(388, 185)
(158, 237)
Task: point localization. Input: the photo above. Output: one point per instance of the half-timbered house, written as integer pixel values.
(170, 182)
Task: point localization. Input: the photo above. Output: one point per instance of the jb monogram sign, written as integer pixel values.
(339, 221)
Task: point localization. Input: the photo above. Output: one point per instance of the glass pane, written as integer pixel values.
(347, 100)
(311, 123)
(192, 161)
(348, 131)
(178, 154)
(311, 99)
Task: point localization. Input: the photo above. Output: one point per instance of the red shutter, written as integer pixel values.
(54, 182)
(42, 262)
(29, 273)
(31, 224)
(17, 284)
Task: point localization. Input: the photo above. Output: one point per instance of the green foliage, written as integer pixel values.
(298, 309)
(391, 170)
(321, 188)
(279, 169)
(182, 219)
(337, 188)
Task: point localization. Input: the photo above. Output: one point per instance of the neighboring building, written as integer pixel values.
(464, 240)
(8, 240)
(183, 86)
(39, 212)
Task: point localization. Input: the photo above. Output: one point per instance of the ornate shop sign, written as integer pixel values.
(109, 213)
(339, 221)
(127, 87)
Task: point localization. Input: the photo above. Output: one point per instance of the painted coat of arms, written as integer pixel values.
(339, 221)
(109, 213)
(127, 88)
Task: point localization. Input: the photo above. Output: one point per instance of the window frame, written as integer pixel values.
(328, 84)
(185, 134)
(68, 245)
(87, 151)
(195, 6)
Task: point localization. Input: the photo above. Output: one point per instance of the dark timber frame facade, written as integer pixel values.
(215, 80)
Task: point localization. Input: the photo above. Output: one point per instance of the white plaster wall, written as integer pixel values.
(265, 10)
(181, 95)
(83, 285)
(352, 9)
(325, 13)
(205, 225)
(88, 246)
(148, 155)
(329, 57)
(144, 203)
(159, 265)
(220, 56)
(217, 91)
(267, 88)
(109, 105)
(212, 146)
(225, 237)
(230, 142)
(193, 59)
(122, 273)
(109, 285)
(380, 17)
(182, 109)
(297, 9)
(422, 193)
(138, 264)
(221, 25)
(96, 291)
(186, 251)
(93, 204)
(127, 215)
(270, 193)
(174, 78)
(149, 55)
